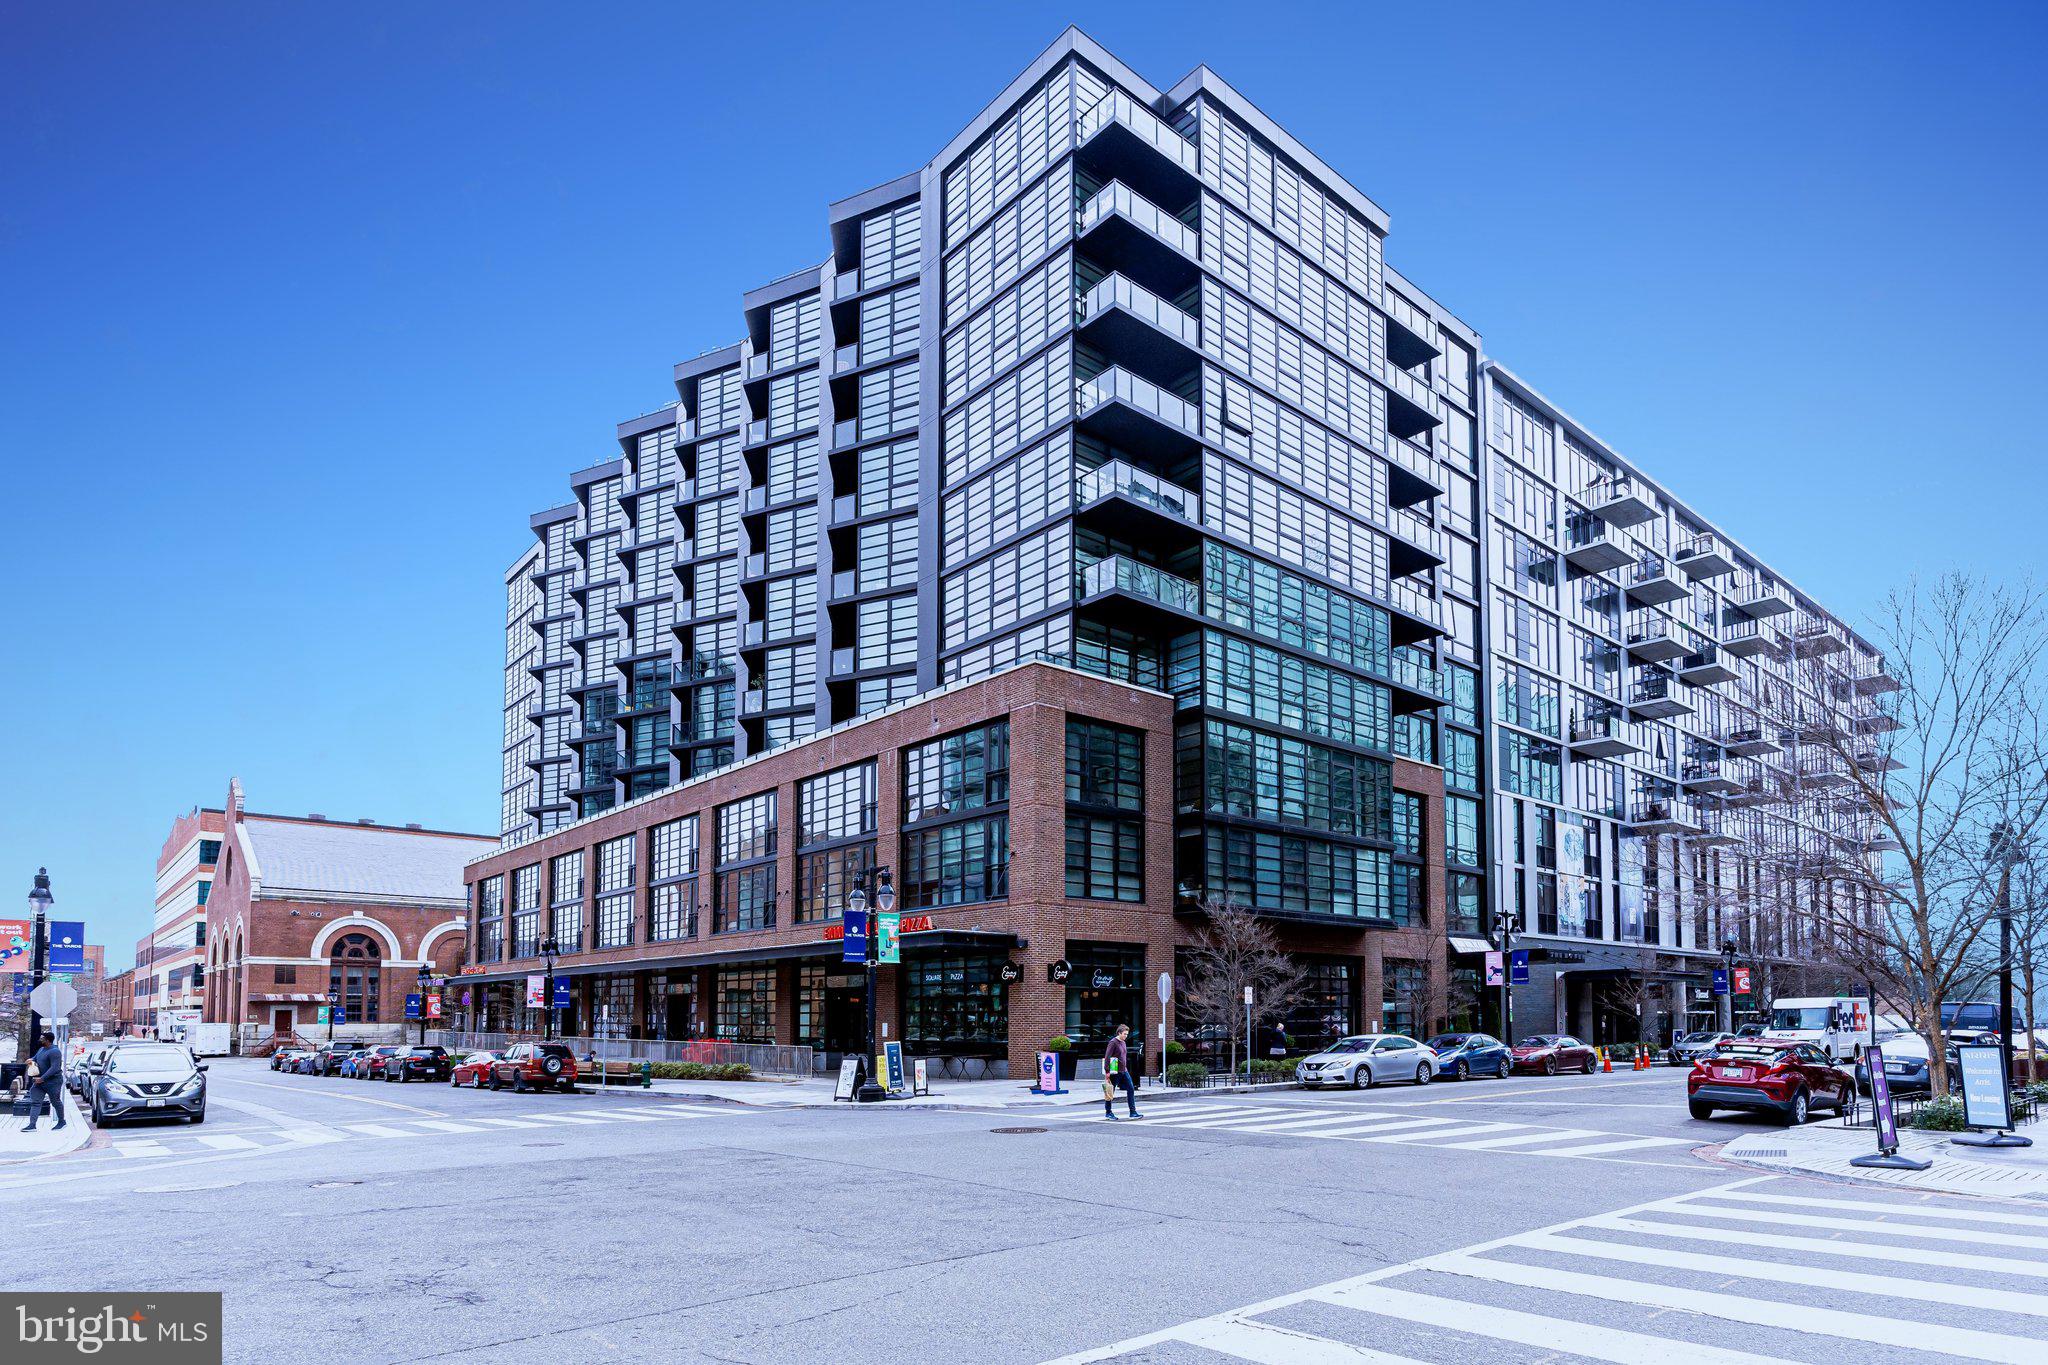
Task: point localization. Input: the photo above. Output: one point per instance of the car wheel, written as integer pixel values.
(1361, 1077)
(476, 1082)
(1464, 1070)
(1422, 1074)
(1700, 1111)
(1502, 1073)
(1550, 1067)
(1587, 1068)
(1797, 1114)
(495, 1083)
(199, 1117)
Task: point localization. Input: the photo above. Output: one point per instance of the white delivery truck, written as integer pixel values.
(205, 1040)
(1838, 1025)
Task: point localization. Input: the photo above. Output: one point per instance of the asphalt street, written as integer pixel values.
(1484, 1221)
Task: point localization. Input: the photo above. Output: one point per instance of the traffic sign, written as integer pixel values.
(1164, 987)
(53, 1000)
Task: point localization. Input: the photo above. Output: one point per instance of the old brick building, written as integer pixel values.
(1028, 819)
(304, 905)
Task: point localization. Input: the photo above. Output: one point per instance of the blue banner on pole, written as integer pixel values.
(1518, 967)
(412, 1007)
(1720, 981)
(67, 945)
(339, 1016)
(854, 927)
(561, 993)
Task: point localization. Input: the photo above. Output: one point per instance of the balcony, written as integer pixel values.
(1128, 502)
(1755, 600)
(1122, 576)
(1704, 558)
(1874, 680)
(1746, 639)
(1132, 413)
(1146, 334)
(1597, 547)
(757, 432)
(1665, 815)
(1705, 668)
(1876, 723)
(1873, 759)
(1751, 741)
(1413, 545)
(1604, 736)
(1655, 641)
(1718, 827)
(1656, 697)
(1753, 791)
(1617, 501)
(1124, 230)
(1120, 139)
(1411, 337)
(1418, 395)
(1820, 775)
(1413, 476)
(1817, 637)
(1653, 582)
(1418, 686)
(753, 701)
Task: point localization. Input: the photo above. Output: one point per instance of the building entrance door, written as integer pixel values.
(281, 1020)
(682, 1016)
(846, 1018)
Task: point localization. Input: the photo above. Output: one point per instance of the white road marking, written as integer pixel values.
(1623, 1145)
(1265, 1344)
(1430, 1135)
(1907, 1210)
(141, 1147)
(1543, 1135)
(445, 1126)
(2006, 1239)
(378, 1130)
(227, 1142)
(1864, 1251)
(509, 1123)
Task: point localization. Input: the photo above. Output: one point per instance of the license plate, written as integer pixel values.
(1896, 1068)
(1728, 1073)
(156, 1104)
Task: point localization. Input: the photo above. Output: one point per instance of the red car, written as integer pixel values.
(1551, 1053)
(370, 1066)
(1767, 1076)
(473, 1070)
(537, 1066)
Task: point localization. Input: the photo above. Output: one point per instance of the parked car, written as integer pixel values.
(1368, 1059)
(369, 1065)
(1461, 1056)
(1551, 1053)
(417, 1064)
(143, 1080)
(1785, 1079)
(1908, 1069)
(538, 1066)
(329, 1059)
(282, 1059)
(1750, 1031)
(474, 1070)
(79, 1072)
(1693, 1046)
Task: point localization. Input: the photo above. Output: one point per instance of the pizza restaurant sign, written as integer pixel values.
(912, 924)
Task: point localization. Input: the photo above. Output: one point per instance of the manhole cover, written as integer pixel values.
(1016, 1130)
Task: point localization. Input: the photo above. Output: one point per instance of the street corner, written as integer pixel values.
(1830, 1151)
(19, 1145)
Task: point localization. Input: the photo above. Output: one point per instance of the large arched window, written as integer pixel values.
(353, 975)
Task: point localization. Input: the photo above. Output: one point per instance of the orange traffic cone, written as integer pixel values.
(1606, 1062)
(1642, 1061)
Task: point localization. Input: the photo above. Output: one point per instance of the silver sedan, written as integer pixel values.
(1368, 1059)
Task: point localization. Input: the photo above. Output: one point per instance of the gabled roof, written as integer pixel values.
(320, 860)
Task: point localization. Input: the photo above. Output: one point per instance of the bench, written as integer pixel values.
(620, 1070)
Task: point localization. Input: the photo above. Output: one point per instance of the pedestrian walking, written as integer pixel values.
(45, 1081)
(1116, 1071)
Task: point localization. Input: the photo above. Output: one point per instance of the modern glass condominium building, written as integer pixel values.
(1121, 380)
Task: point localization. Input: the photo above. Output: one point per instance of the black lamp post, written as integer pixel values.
(333, 1003)
(1505, 934)
(548, 949)
(426, 980)
(1727, 985)
(871, 1089)
(2005, 853)
(39, 902)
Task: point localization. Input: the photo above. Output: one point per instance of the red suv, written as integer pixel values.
(537, 1066)
(1782, 1078)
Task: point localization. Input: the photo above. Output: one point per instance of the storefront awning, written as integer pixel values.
(932, 940)
(1470, 945)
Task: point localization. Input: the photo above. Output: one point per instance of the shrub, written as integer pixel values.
(735, 1071)
(702, 1071)
(1272, 1066)
(1941, 1116)
(1186, 1073)
(1059, 1042)
(1176, 1051)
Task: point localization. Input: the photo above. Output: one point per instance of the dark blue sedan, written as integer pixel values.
(1461, 1056)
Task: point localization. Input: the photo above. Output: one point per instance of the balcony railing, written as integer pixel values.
(1617, 501)
(1118, 384)
(1118, 198)
(1119, 479)
(1118, 573)
(1115, 291)
(1148, 127)
(1597, 547)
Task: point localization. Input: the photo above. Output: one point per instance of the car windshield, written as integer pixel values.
(150, 1061)
(1444, 1042)
(1699, 1038)
(1812, 1018)
(1349, 1045)
(1757, 1051)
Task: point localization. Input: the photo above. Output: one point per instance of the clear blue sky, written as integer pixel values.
(303, 309)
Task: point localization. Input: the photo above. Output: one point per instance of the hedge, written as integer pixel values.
(1187, 1074)
(701, 1071)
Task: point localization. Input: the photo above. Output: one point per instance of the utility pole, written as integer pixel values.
(2005, 852)
(39, 902)
(1507, 953)
(1727, 1002)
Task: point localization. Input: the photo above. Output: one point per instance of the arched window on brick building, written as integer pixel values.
(355, 977)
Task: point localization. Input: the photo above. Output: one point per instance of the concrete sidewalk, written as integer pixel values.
(991, 1096)
(1826, 1148)
(17, 1144)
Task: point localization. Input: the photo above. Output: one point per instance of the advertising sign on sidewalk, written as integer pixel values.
(1049, 1074)
(1984, 1093)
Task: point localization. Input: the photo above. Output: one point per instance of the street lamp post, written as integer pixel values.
(884, 901)
(548, 949)
(426, 979)
(1727, 985)
(333, 1000)
(39, 903)
(2005, 853)
(1506, 934)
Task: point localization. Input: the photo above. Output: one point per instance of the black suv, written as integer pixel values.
(327, 1061)
(418, 1064)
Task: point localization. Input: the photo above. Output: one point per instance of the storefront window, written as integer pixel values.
(1329, 1005)
(955, 1005)
(746, 1004)
(810, 1006)
(611, 1007)
(1105, 988)
(1402, 988)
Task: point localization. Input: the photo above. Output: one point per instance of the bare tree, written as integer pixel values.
(1235, 951)
(1924, 771)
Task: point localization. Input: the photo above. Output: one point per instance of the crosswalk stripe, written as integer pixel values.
(1621, 1145)
(1206, 1120)
(379, 1130)
(1531, 1329)
(675, 1111)
(1431, 1134)
(1804, 1220)
(1517, 1140)
(1873, 1206)
(1303, 1126)
(227, 1142)
(1890, 1286)
(566, 1118)
(1266, 1344)
(621, 1117)
(444, 1126)
(511, 1123)
(310, 1137)
(1862, 1251)
(1366, 1132)
(1791, 1317)
(141, 1148)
